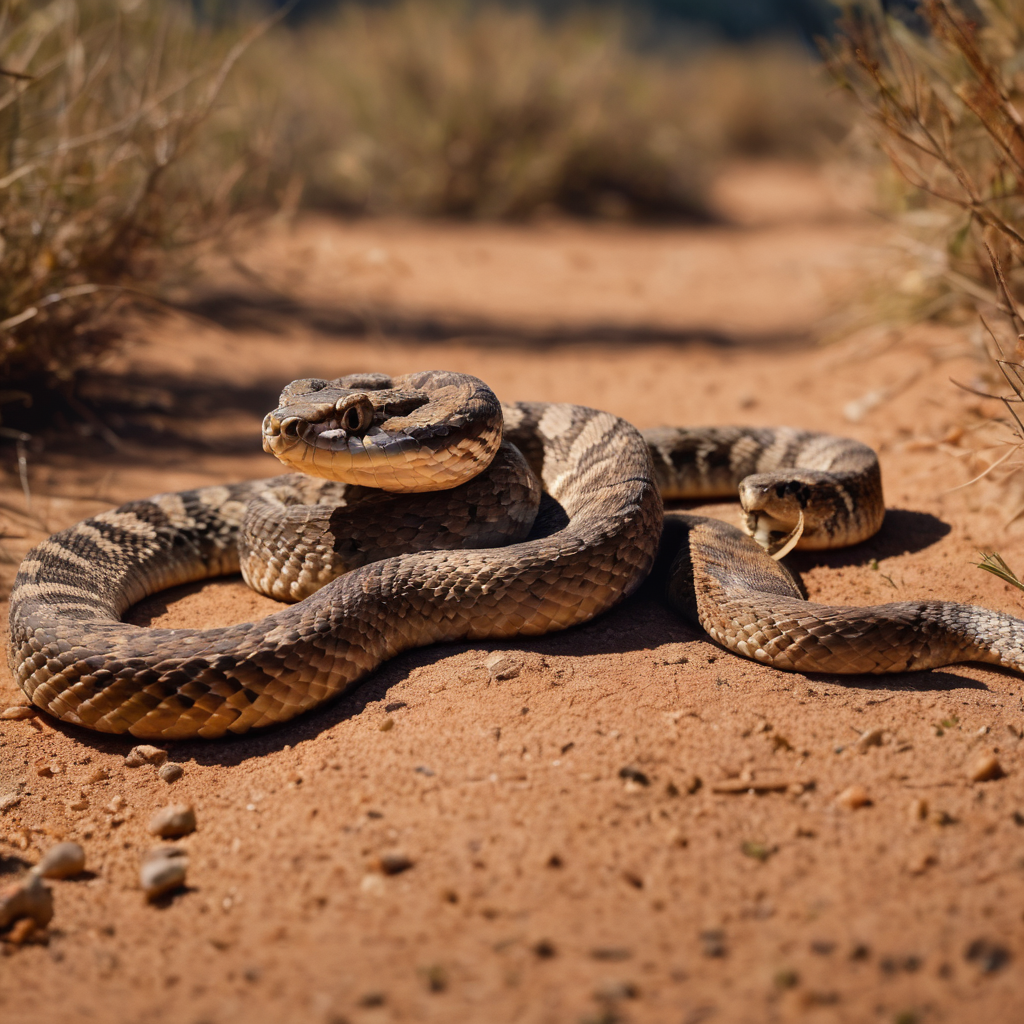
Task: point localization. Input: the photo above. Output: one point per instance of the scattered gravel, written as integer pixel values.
(988, 955)
(171, 772)
(173, 821)
(734, 787)
(17, 713)
(26, 898)
(713, 943)
(394, 862)
(145, 754)
(871, 738)
(502, 666)
(611, 954)
(163, 870)
(985, 768)
(613, 991)
(918, 810)
(61, 861)
(9, 800)
(853, 797)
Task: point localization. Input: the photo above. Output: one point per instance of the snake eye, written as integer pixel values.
(351, 420)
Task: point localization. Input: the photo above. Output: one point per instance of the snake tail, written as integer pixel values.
(762, 615)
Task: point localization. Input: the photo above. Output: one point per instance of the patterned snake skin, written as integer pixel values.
(541, 523)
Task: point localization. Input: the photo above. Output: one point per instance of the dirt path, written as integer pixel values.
(547, 886)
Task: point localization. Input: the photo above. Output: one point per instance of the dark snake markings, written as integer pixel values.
(540, 524)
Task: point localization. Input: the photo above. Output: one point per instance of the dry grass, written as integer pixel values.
(450, 109)
(125, 144)
(946, 108)
(104, 183)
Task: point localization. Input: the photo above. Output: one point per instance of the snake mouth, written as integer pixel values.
(775, 536)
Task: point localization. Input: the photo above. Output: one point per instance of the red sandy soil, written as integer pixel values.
(545, 886)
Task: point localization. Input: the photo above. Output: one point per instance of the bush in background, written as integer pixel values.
(944, 92)
(449, 109)
(107, 181)
(125, 144)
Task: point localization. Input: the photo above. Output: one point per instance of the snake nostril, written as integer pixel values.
(355, 414)
(290, 427)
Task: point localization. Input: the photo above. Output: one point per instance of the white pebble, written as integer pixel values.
(502, 666)
(171, 772)
(162, 870)
(144, 754)
(27, 898)
(17, 713)
(61, 861)
(173, 821)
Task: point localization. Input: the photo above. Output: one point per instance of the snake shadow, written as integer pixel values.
(903, 532)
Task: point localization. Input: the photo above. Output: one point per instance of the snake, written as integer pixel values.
(419, 509)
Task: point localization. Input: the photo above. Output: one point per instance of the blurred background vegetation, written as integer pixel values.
(136, 134)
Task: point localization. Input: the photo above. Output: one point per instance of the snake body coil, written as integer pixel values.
(535, 526)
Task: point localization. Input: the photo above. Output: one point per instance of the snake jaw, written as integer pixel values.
(776, 536)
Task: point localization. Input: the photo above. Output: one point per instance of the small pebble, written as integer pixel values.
(988, 955)
(61, 861)
(98, 775)
(502, 666)
(80, 803)
(920, 862)
(853, 797)
(918, 810)
(394, 862)
(387, 725)
(713, 943)
(611, 954)
(613, 991)
(22, 931)
(162, 870)
(871, 738)
(173, 821)
(117, 802)
(171, 772)
(27, 898)
(9, 800)
(985, 768)
(144, 754)
(17, 713)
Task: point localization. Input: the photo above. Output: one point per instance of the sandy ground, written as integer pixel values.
(546, 885)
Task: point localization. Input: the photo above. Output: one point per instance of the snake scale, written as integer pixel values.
(426, 511)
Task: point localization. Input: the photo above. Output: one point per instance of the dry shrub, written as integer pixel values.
(104, 183)
(945, 95)
(444, 108)
(945, 98)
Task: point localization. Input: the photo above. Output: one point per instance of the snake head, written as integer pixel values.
(795, 508)
(420, 432)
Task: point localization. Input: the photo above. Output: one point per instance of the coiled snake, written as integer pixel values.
(523, 519)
